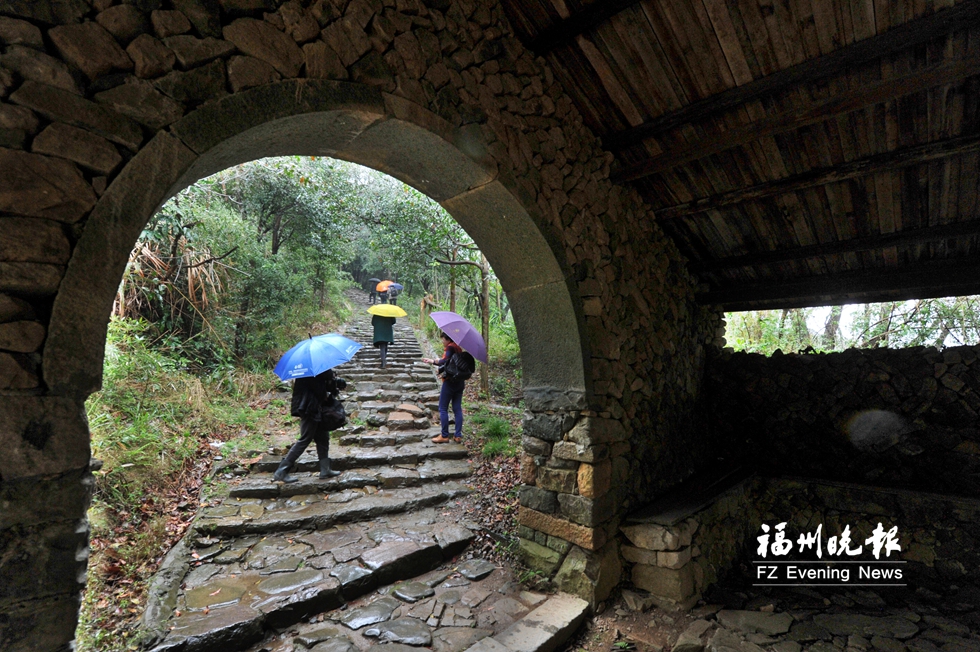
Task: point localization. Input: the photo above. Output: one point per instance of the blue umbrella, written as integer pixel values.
(397, 286)
(313, 356)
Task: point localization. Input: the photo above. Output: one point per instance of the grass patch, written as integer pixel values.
(494, 434)
(156, 428)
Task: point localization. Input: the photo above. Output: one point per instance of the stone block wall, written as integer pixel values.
(939, 535)
(903, 418)
(108, 107)
(678, 562)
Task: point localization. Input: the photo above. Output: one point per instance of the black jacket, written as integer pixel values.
(309, 394)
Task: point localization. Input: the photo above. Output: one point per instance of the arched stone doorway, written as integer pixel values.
(342, 120)
(447, 99)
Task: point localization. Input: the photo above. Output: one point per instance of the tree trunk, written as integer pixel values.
(485, 309)
(452, 283)
(802, 332)
(241, 329)
(831, 327)
(779, 331)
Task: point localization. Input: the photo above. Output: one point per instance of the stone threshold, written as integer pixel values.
(545, 629)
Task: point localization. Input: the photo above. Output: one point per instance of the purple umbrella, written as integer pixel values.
(462, 332)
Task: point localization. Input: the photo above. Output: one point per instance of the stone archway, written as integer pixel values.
(110, 108)
(342, 120)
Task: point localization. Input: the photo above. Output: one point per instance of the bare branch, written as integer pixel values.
(212, 259)
(457, 262)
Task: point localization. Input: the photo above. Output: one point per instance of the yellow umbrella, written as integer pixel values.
(386, 310)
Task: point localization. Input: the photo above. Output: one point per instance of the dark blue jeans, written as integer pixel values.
(451, 393)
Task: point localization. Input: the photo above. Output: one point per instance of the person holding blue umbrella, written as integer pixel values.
(315, 396)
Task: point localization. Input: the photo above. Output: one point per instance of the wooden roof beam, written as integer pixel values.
(900, 38)
(937, 280)
(567, 29)
(913, 237)
(941, 74)
(895, 160)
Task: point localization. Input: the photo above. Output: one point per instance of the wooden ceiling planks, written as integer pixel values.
(770, 126)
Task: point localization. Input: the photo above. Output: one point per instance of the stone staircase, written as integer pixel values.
(371, 556)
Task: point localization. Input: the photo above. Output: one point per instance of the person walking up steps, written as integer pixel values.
(451, 392)
(313, 400)
(384, 334)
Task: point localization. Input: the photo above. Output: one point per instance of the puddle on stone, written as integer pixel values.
(221, 512)
(215, 594)
(252, 511)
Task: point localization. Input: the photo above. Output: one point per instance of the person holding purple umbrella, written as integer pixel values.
(451, 392)
(463, 343)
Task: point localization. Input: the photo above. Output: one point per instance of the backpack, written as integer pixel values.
(460, 366)
(332, 414)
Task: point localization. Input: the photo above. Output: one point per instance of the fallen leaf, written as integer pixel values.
(215, 593)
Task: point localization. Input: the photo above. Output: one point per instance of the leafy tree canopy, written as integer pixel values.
(943, 322)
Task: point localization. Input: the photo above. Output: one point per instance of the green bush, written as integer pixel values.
(153, 415)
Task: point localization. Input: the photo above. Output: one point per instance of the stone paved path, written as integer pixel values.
(738, 617)
(362, 559)
(803, 619)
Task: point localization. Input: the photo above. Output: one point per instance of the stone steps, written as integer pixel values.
(261, 485)
(237, 589)
(355, 457)
(271, 566)
(315, 512)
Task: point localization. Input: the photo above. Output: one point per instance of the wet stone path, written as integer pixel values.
(804, 619)
(367, 558)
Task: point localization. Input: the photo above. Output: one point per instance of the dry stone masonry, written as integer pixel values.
(108, 108)
(902, 418)
(681, 549)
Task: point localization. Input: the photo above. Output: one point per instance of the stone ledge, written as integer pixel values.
(543, 630)
(690, 497)
(584, 537)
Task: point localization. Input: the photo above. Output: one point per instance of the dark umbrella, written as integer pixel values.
(376, 280)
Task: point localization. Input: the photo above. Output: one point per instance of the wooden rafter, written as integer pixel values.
(900, 239)
(933, 280)
(897, 39)
(938, 75)
(821, 176)
(565, 30)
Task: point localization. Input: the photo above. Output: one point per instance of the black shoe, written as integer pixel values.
(325, 471)
(282, 474)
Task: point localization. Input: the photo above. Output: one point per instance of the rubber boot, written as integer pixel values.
(325, 471)
(282, 473)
